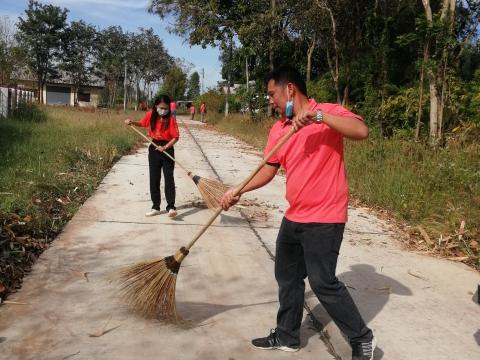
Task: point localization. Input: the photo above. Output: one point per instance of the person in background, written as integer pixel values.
(203, 111)
(163, 130)
(192, 111)
(311, 233)
(173, 108)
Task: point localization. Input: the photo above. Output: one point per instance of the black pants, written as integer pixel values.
(312, 250)
(158, 161)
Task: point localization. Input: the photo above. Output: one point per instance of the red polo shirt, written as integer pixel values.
(317, 188)
(167, 134)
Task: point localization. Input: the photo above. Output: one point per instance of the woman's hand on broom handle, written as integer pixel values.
(128, 122)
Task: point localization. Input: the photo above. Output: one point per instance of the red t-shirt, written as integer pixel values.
(167, 134)
(317, 188)
(192, 109)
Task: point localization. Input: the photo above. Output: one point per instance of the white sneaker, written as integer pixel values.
(152, 212)
(172, 213)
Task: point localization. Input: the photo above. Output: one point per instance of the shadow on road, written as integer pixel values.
(370, 290)
(196, 313)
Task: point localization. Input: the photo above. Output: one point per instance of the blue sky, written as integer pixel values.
(130, 15)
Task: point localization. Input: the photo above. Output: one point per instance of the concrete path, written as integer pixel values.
(419, 307)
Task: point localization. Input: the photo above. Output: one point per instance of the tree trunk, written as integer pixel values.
(333, 70)
(271, 45)
(420, 93)
(311, 48)
(40, 91)
(246, 70)
(437, 79)
(272, 32)
(434, 109)
(136, 94)
(229, 70)
(334, 74)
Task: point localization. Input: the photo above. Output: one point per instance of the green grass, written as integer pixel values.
(48, 168)
(417, 185)
(436, 189)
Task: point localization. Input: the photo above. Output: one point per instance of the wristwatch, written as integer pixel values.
(319, 117)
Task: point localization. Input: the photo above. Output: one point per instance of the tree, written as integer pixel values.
(156, 61)
(12, 55)
(77, 59)
(193, 86)
(436, 70)
(110, 55)
(202, 24)
(42, 32)
(175, 83)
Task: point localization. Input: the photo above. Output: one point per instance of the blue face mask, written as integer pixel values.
(289, 109)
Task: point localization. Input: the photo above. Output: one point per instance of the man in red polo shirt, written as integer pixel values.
(311, 232)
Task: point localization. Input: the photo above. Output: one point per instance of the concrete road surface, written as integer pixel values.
(419, 307)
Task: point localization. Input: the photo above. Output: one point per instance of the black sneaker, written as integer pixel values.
(364, 350)
(271, 343)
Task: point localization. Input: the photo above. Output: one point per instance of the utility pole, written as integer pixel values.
(246, 69)
(229, 70)
(125, 90)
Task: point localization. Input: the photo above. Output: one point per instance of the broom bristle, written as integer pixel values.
(212, 192)
(149, 287)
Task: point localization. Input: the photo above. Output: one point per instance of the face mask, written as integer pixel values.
(162, 112)
(289, 109)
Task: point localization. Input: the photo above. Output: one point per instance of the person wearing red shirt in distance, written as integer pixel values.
(311, 232)
(163, 129)
(203, 111)
(173, 108)
(192, 111)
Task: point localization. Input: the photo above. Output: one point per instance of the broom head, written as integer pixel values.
(211, 191)
(148, 287)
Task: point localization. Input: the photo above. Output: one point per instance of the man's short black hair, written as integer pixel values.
(287, 74)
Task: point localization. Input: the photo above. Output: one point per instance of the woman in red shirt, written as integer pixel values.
(163, 129)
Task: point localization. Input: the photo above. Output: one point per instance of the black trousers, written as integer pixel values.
(312, 250)
(158, 161)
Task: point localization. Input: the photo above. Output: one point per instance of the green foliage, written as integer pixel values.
(322, 90)
(214, 101)
(175, 83)
(474, 107)
(193, 86)
(78, 48)
(12, 54)
(398, 111)
(42, 33)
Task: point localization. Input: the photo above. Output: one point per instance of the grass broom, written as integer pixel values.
(210, 190)
(149, 287)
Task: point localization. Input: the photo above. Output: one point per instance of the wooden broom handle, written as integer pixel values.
(157, 147)
(239, 188)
